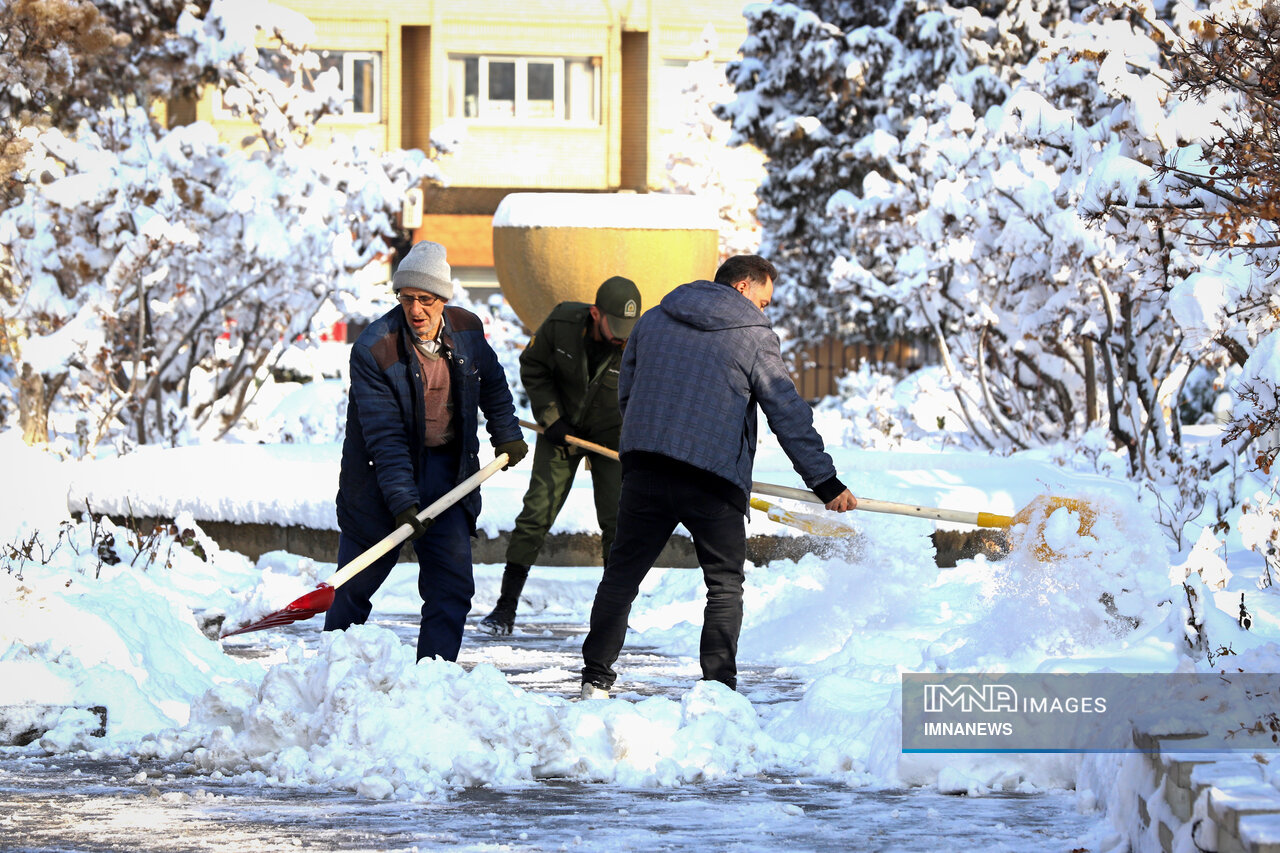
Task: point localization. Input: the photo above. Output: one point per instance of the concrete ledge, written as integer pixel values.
(1232, 802)
(1242, 809)
(1260, 833)
(560, 549)
(569, 549)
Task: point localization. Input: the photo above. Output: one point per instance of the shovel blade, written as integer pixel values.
(316, 601)
(808, 522)
(1034, 515)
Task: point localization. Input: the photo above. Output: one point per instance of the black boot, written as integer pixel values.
(503, 618)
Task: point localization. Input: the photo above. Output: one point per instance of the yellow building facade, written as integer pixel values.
(543, 95)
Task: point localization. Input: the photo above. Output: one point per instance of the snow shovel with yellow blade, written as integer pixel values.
(1034, 514)
(320, 599)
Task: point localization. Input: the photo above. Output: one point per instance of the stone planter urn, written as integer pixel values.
(551, 247)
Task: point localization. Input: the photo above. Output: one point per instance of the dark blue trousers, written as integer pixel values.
(652, 504)
(445, 580)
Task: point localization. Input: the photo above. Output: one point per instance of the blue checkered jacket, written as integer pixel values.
(694, 371)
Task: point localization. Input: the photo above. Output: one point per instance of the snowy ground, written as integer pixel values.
(93, 614)
(123, 803)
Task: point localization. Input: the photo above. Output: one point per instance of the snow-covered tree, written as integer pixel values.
(700, 162)
(987, 175)
(820, 87)
(943, 175)
(157, 273)
(1226, 200)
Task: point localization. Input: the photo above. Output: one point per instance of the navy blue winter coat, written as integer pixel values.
(386, 419)
(694, 371)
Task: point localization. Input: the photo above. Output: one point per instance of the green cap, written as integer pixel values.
(619, 299)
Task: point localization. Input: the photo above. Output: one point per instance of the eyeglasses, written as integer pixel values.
(425, 301)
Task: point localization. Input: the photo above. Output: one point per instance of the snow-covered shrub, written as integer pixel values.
(881, 412)
(506, 334)
(1260, 531)
(1256, 416)
(311, 413)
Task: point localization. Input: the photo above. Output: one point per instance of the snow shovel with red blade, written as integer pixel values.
(320, 599)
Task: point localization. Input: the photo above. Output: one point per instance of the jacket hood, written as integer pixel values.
(712, 307)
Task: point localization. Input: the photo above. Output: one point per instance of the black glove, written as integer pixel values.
(557, 431)
(410, 517)
(515, 450)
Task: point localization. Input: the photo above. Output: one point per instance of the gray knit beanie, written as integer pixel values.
(425, 268)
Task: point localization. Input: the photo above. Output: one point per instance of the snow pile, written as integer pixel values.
(361, 715)
(101, 617)
(1082, 572)
(886, 608)
(852, 625)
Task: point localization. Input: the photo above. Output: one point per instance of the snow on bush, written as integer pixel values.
(100, 615)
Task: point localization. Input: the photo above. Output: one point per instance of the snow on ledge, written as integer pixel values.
(606, 210)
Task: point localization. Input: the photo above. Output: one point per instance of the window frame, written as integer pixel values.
(519, 112)
(349, 60)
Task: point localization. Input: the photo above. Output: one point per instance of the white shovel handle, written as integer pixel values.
(402, 532)
(981, 519)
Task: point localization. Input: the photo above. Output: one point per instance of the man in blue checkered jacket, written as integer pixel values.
(694, 372)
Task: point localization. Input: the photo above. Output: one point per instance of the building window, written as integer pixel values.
(525, 88)
(359, 77)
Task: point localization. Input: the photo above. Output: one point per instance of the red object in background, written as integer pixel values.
(337, 333)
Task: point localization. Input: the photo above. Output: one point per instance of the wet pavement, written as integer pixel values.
(68, 803)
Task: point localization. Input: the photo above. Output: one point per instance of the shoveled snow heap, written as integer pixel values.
(362, 715)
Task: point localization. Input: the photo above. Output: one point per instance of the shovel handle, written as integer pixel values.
(981, 519)
(577, 442)
(402, 532)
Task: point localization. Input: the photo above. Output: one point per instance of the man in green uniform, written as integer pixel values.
(570, 372)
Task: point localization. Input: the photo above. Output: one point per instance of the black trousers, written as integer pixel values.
(651, 506)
